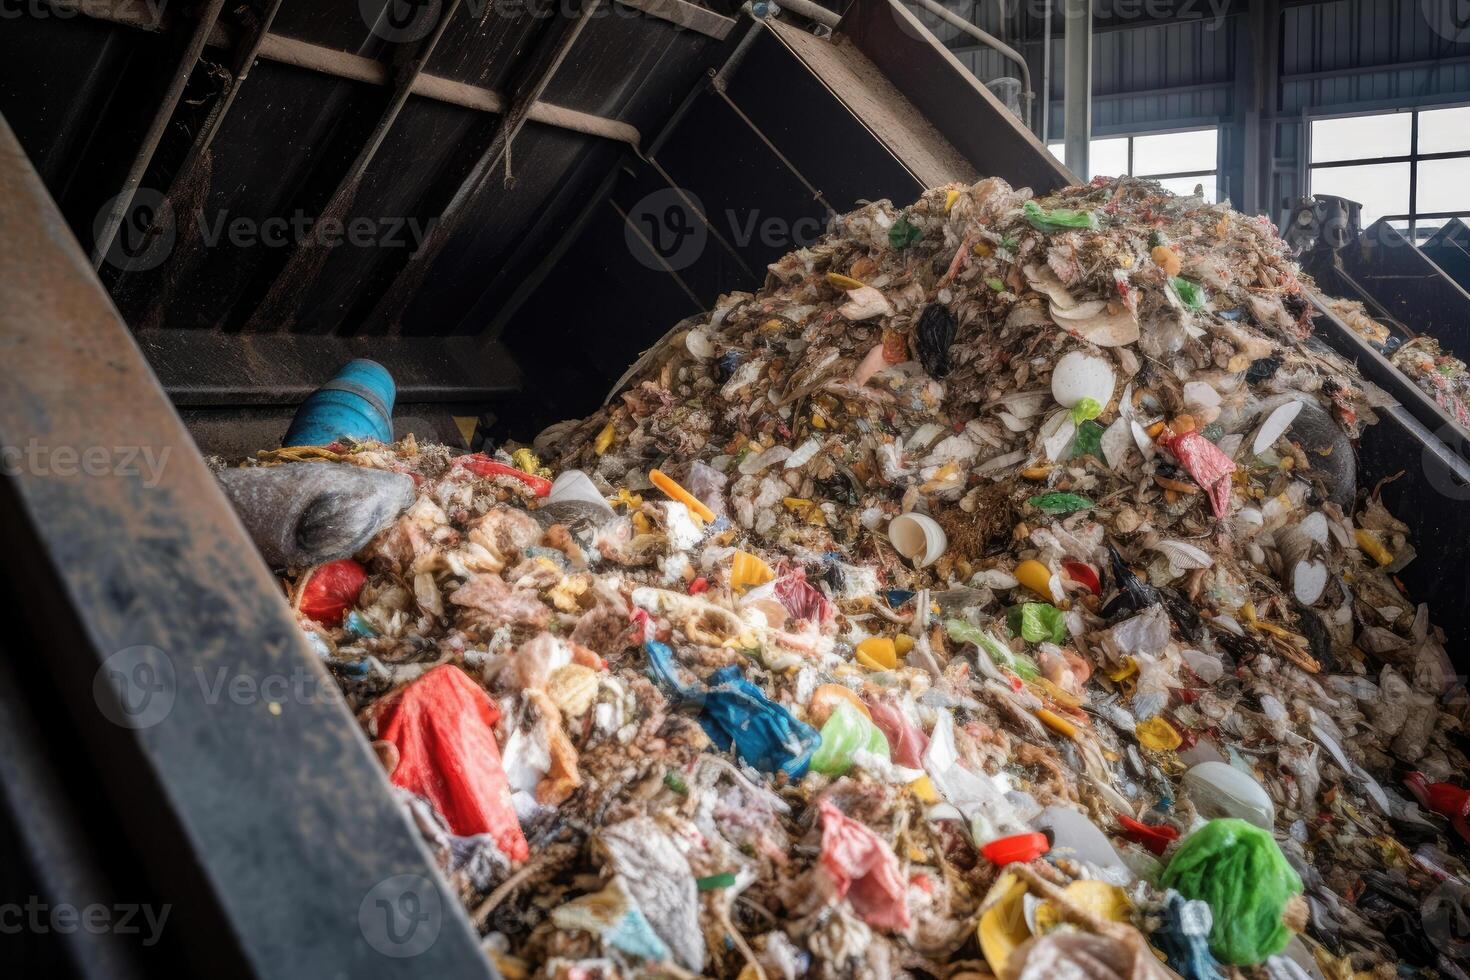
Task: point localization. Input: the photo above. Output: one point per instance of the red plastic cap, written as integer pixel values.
(1155, 837)
(1018, 849)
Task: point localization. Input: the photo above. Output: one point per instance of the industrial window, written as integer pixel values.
(1179, 161)
(1411, 167)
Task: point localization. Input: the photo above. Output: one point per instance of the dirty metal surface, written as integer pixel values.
(237, 776)
(1408, 284)
(995, 142)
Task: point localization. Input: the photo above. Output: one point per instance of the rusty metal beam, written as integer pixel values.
(278, 308)
(231, 769)
(246, 51)
(175, 91)
(342, 64)
(410, 277)
(689, 16)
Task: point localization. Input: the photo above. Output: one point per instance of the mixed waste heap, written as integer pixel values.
(991, 593)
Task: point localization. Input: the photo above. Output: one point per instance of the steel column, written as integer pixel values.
(1077, 84)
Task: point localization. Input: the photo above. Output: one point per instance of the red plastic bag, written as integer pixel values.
(444, 727)
(862, 869)
(801, 600)
(906, 743)
(332, 589)
(1446, 799)
(1207, 466)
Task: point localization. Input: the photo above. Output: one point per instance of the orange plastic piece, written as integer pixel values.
(662, 480)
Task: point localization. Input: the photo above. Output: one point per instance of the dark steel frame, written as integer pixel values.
(264, 822)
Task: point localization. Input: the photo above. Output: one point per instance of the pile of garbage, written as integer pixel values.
(990, 594)
(1435, 371)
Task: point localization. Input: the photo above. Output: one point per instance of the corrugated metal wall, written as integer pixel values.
(1163, 65)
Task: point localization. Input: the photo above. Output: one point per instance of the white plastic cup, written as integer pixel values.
(918, 538)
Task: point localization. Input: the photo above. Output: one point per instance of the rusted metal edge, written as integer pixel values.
(282, 300)
(208, 17)
(554, 49)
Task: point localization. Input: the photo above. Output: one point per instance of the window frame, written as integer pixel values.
(1130, 137)
(1412, 158)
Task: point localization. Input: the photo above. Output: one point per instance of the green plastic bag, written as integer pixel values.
(1037, 622)
(962, 632)
(845, 732)
(1058, 219)
(1088, 441)
(1191, 294)
(1059, 503)
(902, 234)
(1239, 871)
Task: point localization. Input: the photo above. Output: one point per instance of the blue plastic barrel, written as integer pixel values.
(356, 404)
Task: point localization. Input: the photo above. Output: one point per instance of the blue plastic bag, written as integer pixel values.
(764, 734)
(735, 713)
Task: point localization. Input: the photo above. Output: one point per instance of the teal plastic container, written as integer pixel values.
(356, 404)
